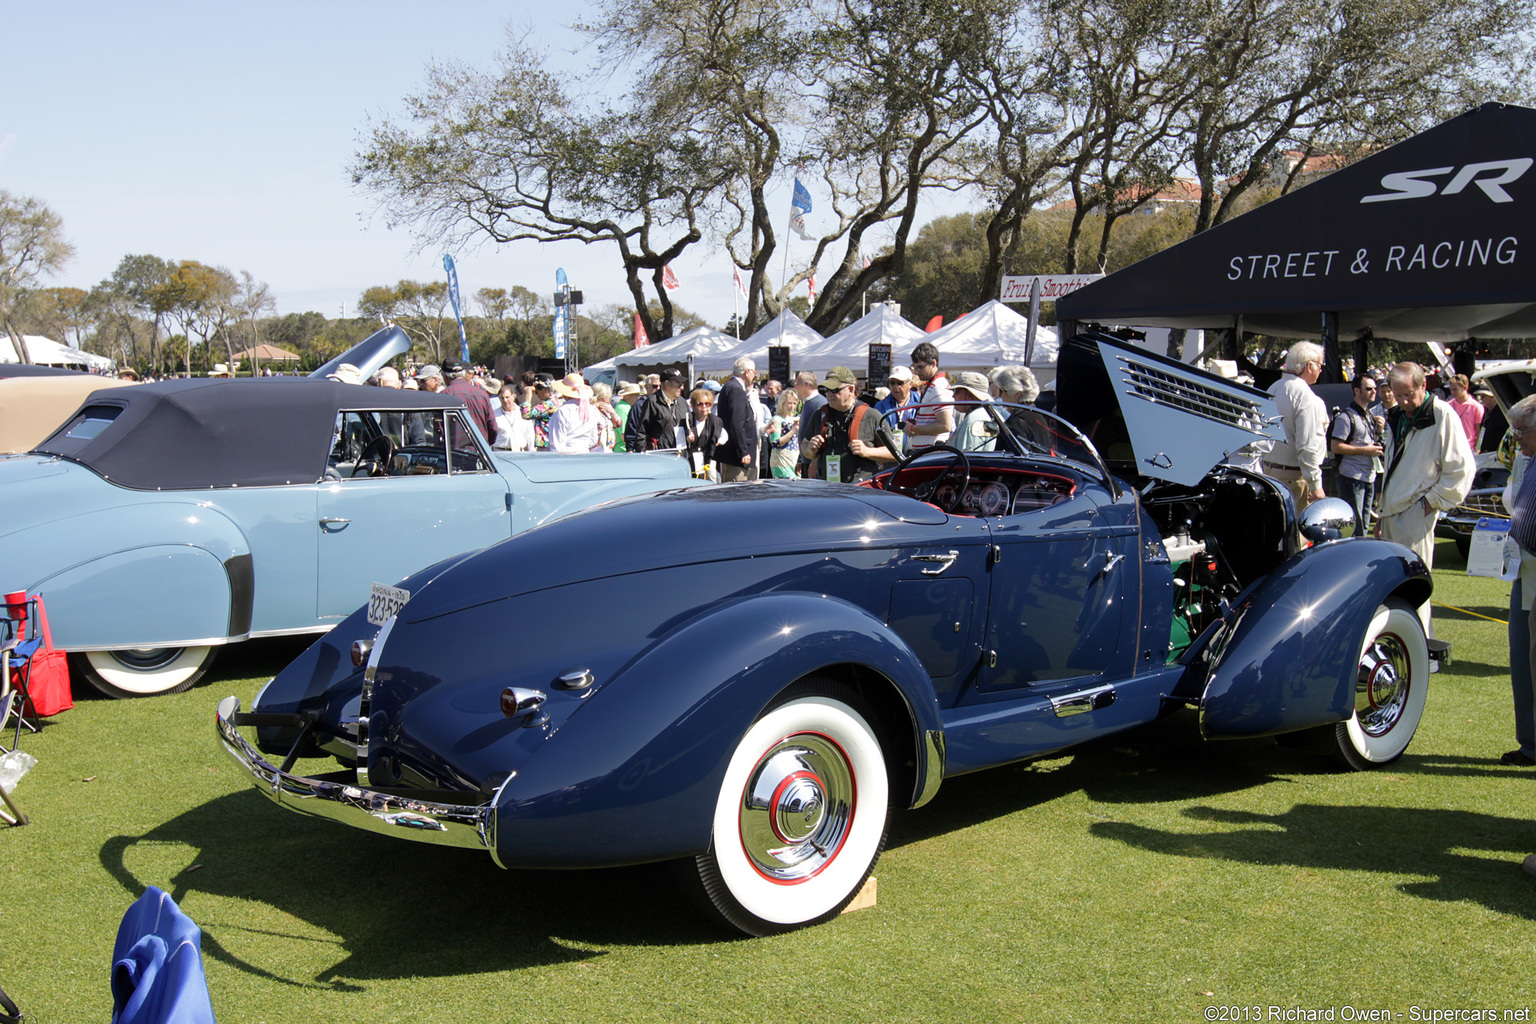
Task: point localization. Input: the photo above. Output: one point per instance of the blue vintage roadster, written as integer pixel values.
(163, 521)
(745, 679)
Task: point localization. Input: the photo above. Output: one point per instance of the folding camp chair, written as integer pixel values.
(19, 641)
(20, 638)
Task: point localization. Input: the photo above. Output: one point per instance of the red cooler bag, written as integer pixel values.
(47, 675)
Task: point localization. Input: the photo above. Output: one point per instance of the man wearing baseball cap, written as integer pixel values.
(429, 378)
(473, 396)
(842, 446)
(899, 380)
(661, 415)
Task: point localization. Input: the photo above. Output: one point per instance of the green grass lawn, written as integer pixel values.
(1145, 878)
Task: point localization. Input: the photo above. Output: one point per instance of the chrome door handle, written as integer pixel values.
(947, 559)
(326, 522)
(1111, 559)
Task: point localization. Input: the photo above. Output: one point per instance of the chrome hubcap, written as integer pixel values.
(797, 807)
(1381, 687)
(145, 659)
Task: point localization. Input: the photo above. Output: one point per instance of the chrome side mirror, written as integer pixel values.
(1328, 519)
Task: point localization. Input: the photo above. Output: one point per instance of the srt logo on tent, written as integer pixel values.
(1491, 177)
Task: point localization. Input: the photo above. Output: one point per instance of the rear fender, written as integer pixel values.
(632, 775)
(124, 586)
(1288, 658)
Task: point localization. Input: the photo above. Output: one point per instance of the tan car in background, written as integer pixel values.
(35, 402)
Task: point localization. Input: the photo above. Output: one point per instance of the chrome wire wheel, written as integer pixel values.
(800, 816)
(1391, 685)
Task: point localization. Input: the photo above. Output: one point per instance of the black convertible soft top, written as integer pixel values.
(201, 433)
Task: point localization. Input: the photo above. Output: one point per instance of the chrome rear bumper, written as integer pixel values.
(468, 826)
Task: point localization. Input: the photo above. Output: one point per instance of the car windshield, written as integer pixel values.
(1000, 427)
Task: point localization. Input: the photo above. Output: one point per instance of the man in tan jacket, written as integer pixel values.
(1429, 466)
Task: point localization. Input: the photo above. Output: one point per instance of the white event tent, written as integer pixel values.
(994, 335)
(785, 329)
(47, 352)
(702, 343)
(990, 335)
(850, 346)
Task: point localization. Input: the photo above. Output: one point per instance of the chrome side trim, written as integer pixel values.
(1081, 703)
(296, 630)
(207, 641)
(465, 826)
(933, 770)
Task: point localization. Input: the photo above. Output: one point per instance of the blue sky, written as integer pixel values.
(222, 133)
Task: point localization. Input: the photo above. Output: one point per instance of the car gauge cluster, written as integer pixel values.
(1005, 495)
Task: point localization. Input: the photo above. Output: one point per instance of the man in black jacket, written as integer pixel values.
(662, 414)
(735, 455)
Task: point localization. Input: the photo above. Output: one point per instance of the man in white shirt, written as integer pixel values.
(1297, 460)
(932, 425)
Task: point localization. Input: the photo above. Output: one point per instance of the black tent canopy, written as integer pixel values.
(1433, 239)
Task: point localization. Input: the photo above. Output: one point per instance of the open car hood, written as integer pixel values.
(1176, 422)
(370, 354)
(1510, 381)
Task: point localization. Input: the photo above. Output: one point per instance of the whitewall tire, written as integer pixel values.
(143, 671)
(800, 818)
(1391, 686)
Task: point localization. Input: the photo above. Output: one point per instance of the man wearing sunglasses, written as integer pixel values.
(843, 447)
(900, 383)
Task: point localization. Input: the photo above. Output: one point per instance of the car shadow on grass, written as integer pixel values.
(1162, 761)
(1463, 855)
(394, 908)
(1455, 854)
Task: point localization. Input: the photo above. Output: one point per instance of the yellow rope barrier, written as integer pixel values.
(1475, 615)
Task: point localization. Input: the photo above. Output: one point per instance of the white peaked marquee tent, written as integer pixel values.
(703, 343)
(994, 335)
(784, 329)
(850, 346)
(991, 335)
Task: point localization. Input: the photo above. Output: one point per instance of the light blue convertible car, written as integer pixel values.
(163, 521)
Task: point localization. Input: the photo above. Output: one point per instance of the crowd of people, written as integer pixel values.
(1404, 453)
(819, 427)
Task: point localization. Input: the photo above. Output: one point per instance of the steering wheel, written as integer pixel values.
(924, 492)
(375, 456)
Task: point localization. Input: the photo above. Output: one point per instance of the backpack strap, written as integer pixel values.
(858, 419)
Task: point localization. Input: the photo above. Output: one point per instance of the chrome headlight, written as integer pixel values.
(1328, 519)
